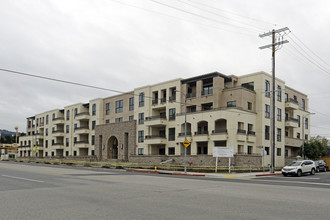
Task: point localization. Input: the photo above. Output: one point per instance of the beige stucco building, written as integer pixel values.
(148, 124)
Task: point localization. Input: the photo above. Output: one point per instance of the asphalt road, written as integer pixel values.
(30, 191)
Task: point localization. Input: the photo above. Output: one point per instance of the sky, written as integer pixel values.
(125, 44)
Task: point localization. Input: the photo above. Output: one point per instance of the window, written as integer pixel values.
(67, 142)
(207, 106)
(140, 136)
(140, 151)
(286, 153)
(107, 108)
(74, 153)
(279, 134)
(141, 99)
(131, 117)
(267, 111)
(303, 104)
(267, 150)
(295, 98)
(286, 133)
(53, 154)
(250, 129)
(172, 114)
(53, 116)
(67, 153)
(46, 154)
(250, 149)
(249, 85)
(67, 129)
(267, 88)
(75, 111)
(249, 106)
(171, 150)
(93, 125)
(278, 153)
(68, 115)
(279, 114)
(306, 136)
(131, 104)
(107, 121)
(171, 134)
(46, 131)
(46, 119)
(119, 106)
(279, 93)
(93, 152)
(141, 118)
(298, 118)
(207, 90)
(93, 139)
(286, 97)
(306, 123)
(94, 109)
(266, 132)
(298, 135)
(46, 143)
(231, 104)
(117, 120)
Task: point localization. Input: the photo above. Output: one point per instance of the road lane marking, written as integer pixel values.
(21, 178)
(279, 181)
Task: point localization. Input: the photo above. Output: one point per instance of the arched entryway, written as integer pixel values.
(113, 148)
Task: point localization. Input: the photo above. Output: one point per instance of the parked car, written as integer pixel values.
(320, 165)
(299, 167)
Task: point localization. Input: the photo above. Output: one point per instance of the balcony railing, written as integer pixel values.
(80, 142)
(155, 101)
(219, 131)
(240, 131)
(163, 100)
(58, 118)
(182, 134)
(292, 100)
(191, 95)
(251, 132)
(81, 128)
(156, 117)
(155, 136)
(81, 113)
(201, 132)
(291, 119)
(172, 98)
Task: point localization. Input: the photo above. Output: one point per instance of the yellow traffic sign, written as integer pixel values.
(36, 148)
(186, 143)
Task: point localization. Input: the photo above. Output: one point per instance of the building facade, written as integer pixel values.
(148, 124)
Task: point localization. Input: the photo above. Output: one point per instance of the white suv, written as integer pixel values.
(299, 167)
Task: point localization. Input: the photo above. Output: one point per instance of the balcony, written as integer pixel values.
(201, 136)
(59, 120)
(58, 145)
(241, 135)
(172, 98)
(155, 139)
(251, 137)
(81, 144)
(219, 135)
(293, 142)
(291, 104)
(58, 133)
(82, 130)
(82, 116)
(181, 138)
(155, 120)
(291, 122)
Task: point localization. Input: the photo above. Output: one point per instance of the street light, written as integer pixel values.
(303, 133)
(185, 128)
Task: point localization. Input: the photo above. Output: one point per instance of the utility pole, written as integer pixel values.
(277, 42)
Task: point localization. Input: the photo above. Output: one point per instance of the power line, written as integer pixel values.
(197, 15)
(222, 16)
(177, 18)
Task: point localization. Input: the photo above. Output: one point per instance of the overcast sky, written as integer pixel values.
(125, 44)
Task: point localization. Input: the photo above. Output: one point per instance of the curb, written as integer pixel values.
(269, 174)
(165, 173)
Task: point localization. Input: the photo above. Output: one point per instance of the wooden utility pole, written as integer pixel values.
(274, 48)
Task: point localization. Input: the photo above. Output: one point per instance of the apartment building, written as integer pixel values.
(148, 124)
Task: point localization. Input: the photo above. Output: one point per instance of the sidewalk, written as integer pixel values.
(209, 175)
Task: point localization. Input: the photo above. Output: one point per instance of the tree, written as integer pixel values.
(316, 147)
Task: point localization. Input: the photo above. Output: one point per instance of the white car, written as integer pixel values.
(299, 167)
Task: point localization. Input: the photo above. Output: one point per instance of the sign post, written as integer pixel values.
(222, 152)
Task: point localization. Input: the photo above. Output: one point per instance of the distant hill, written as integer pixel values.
(4, 133)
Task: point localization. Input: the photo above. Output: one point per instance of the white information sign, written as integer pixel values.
(223, 152)
(2, 151)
